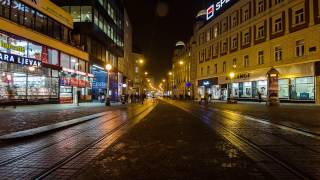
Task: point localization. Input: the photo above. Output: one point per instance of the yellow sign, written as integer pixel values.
(9, 46)
(51, 10)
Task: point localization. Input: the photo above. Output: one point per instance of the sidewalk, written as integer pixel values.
(33, 116)
(302, 116)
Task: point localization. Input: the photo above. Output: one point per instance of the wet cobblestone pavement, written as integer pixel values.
(23, 118)
(172, 144)
(302, 116)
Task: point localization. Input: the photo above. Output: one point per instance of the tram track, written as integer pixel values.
(249, 147)
(79, 152)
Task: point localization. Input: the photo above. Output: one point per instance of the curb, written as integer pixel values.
(51, 127)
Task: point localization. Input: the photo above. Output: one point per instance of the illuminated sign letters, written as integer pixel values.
(10, 58)
(216, 7)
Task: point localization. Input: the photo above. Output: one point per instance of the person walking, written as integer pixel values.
(259, 96)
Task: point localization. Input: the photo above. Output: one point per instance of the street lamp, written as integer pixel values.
(146, 73)
(108, 68)
(181, 62)
(141, 61)
(231, 99)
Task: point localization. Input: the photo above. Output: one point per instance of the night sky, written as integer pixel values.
(158, 25)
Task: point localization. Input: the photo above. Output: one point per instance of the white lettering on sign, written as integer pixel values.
(206, 83)
(216, 7)
(10, 58)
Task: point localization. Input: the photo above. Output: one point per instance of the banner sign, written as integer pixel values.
(10, 58)
(218, 7)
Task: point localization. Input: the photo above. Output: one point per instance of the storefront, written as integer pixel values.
(296, 83)
(209, 86)
(29, 72)
(99, 85)
(73, 84)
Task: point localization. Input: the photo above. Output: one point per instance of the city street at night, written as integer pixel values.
(159, 89)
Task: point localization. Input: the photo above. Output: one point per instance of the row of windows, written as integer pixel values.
(260, 32)
(111, 12)
(84, 14)
(232, 21)
(24, 15)
(18, 46)
(278, 56)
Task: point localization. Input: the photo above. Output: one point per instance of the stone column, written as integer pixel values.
(317, 86)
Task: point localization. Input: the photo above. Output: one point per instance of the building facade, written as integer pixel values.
(181, 71)
(252, 36)
(99, 30)
(39, 62)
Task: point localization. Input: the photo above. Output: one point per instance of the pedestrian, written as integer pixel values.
(143, 96)
(78, 98)
(259, 96)
(131, 98)
(11, 96)
(206, 96)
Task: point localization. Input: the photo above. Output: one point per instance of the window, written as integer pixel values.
(75, 13)
(64, 60)
(215, 32)
(261, 32)
(216, 68)
(74, 63)
(234, 63)
(234, 43)
(246, 38)
(246, 61)
(41, 23)
(234, 21)
(277, 1)
(208, 36)
(50, 27)
(53, 57)
(29, 17)
(5, 8)
(300, 48)
(246, 15)
(17, 12)
(34, 51)
(278, 53)
(299, 16)
(261, 6)
(260, 57)
(208, 70)
(86, 13)
(224, 67)
(225, 46)
(96, 17)
(56, 30)
(278, 25)
(303, 88)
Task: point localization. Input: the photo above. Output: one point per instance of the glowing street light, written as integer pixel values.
(232, 75)
(146, 73)
(141, 61)
(170, 73)
(181, 62)
(163, 80)
(108, 68)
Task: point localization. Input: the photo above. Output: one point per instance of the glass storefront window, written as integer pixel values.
(64, 60)
(303, 88)
(86, 14)
(53, 57)
(235, 90)
(34, 51)
(74, 63)
(284, 88)
(82, 66)
(247, 90)
(262, 87)
(41, 23)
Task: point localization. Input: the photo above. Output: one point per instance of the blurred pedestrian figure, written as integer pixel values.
(131, 98)
(143, 97)
(78, 98)
(206, 97)
(259, 96)
(11, 94)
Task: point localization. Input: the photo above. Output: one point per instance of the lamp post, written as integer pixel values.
(108, 68)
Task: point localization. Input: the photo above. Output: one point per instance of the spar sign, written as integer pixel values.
(217, 7)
